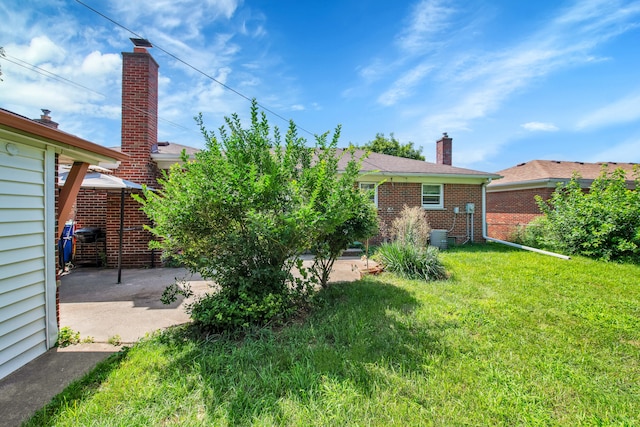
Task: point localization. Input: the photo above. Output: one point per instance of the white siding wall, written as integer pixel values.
(24, 274)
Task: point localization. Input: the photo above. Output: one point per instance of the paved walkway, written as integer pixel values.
(92, 303)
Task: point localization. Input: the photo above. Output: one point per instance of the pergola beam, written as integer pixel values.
(69, 192)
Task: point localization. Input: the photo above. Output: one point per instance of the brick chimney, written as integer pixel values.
(443, 150)
(45, 119)
(139, 114)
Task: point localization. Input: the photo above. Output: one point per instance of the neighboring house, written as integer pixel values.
(511, 200)
(30, 212)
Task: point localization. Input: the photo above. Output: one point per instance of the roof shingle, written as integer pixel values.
(537, 170)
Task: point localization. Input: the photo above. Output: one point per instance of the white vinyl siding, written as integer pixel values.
(23, 253)
(432, 197)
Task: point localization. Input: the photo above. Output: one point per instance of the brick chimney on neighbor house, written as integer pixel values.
(139, 114)
(443, 150)
(45, 119)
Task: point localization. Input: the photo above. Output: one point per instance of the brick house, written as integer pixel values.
(443, 190)
(452, 197)
(511, 200)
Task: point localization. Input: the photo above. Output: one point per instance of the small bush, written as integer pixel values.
(411, 227)
(222, 311)
(67, 337)
(531, 234)
(411, 261)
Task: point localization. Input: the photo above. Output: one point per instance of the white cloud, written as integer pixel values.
(172, 14)
(624, 110)
(539, 126)
(625, 152)
(98, 64)
(428, 18)
(373, 71)
(402, 87)
(41, 49)
(297, 107)
(482, 83)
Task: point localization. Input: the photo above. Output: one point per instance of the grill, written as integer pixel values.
(89, 234)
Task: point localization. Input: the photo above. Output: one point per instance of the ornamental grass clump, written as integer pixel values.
(409, 255)
(412, 262)
(411, 227)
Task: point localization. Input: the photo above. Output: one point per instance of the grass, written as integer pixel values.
(513, 338)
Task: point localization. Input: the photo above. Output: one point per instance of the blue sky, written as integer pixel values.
(510, 81)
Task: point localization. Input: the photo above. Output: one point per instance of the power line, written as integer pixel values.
(193, 67)
(49, 74)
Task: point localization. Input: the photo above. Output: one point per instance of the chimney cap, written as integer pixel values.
(45, 111)
(141, 42)
(445, 135)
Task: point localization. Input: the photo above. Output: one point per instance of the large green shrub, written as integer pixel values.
(603, 223)
(347, 212)
(244, 210)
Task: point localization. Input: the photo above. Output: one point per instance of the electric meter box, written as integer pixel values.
(471, 208)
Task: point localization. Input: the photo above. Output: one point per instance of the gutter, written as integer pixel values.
(515, 245)
(430, 174)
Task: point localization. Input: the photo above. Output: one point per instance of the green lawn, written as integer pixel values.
(513, 338)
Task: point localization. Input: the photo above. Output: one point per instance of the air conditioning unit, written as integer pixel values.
(438, 238)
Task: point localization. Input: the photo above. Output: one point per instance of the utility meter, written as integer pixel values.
(471, 208)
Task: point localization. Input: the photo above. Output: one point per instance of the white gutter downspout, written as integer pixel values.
(515, 245)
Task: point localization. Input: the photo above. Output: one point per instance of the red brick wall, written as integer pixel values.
(517, 201)
(444, 150)
(101, 208)
(392, 197)
(135, 240)
(139, 117)
(508, 210)
(503, 225)
(90, 211)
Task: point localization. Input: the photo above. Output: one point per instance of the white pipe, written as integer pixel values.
(515, 245)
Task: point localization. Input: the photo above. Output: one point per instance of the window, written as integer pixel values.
(372, 189)
(432, 196)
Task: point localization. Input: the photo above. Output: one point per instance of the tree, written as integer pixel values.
(243, 211)
(602, 223)
(347, 212)
(392, 147)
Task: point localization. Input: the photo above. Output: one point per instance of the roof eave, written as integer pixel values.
(66, 144)
(432, 175)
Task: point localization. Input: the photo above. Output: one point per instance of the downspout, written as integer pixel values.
(515, 245)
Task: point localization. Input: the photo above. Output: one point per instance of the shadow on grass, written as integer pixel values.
(363, 336)
(78, 391)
